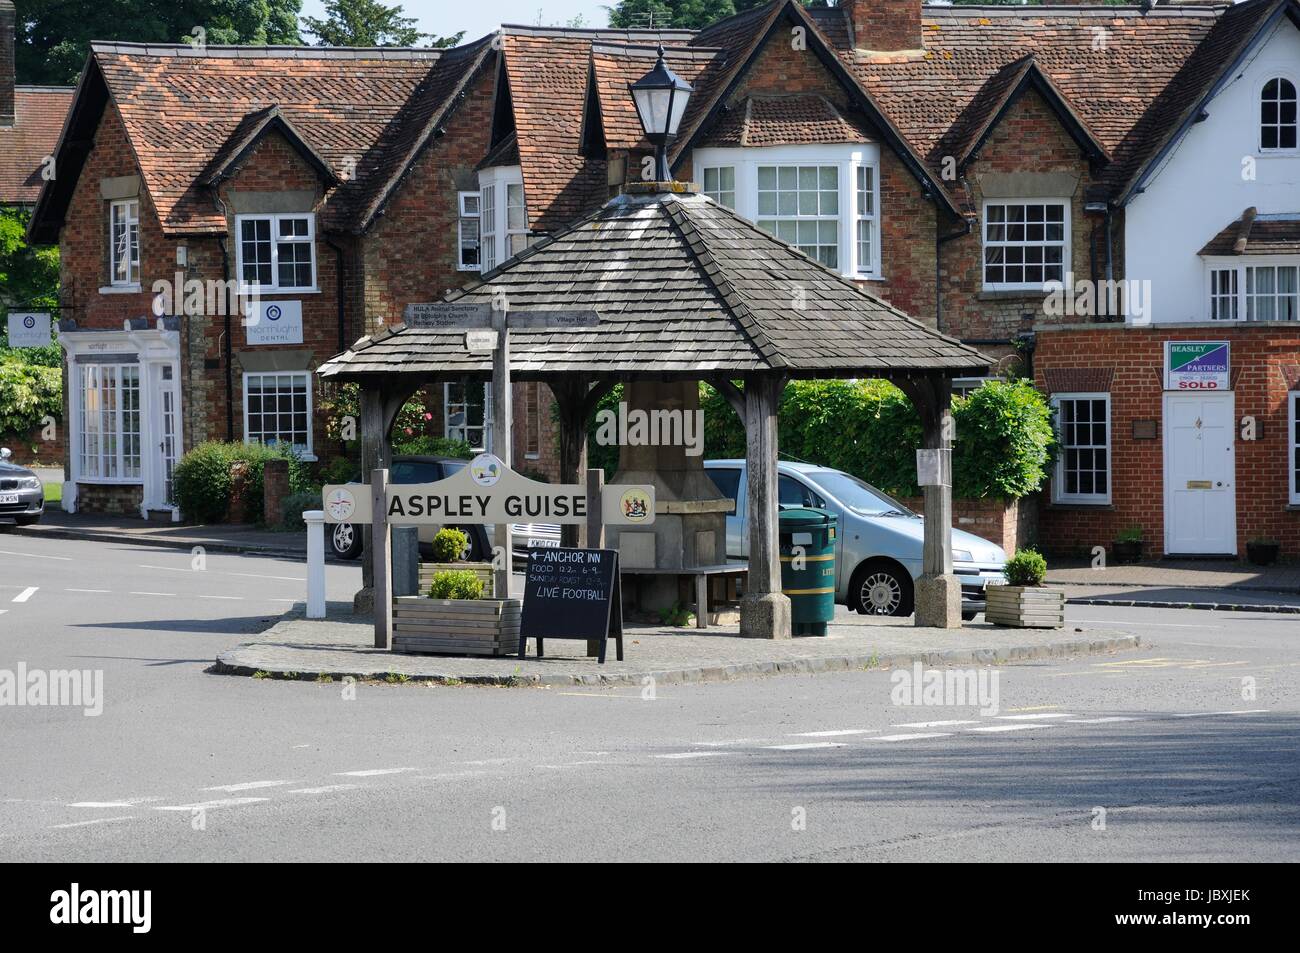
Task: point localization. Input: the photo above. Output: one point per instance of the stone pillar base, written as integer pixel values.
(363, 603)
(938, 602)
(765, 616)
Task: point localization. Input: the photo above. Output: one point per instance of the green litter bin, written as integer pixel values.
(808, 567)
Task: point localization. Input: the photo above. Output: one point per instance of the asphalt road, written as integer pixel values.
(183, 765)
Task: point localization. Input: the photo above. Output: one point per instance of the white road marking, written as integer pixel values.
(566, 764)
(324, 789)
(235, 598)
(133, 802)
(731, 743)
(209, 805)
(1021, 727)
(26, 594)
(834, 734)
(1039, 717)
(934, 724)
(1099, 721)
(913, 736)
(682, 755)
(1206, 714)
(102, 592)
(98, 820)
(151, 593)
(248, 786)
(371, 772)
(806, 746)
(3, 611)
(6, 552)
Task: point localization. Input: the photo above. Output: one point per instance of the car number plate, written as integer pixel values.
(994, 582)
(8, 497)
(543, 542)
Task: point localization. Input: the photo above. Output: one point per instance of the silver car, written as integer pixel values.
(878, 548)
(22, 498)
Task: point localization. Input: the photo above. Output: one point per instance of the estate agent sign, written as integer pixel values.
(1197, 365)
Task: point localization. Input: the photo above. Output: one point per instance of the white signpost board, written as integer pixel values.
(29, 329)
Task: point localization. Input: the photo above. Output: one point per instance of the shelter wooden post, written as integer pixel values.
(764, 610)
(576, 398)
(938, 591)
(503, 447)
(595, 529)
(381, 558)
(379, 404)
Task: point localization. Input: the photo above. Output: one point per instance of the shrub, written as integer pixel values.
(203, 484)
(28, 393)
(456, 584)
(1004, 441)
(295, 504)
(1129, 534)
(427, 446)
(450, 545)
(1026, 568)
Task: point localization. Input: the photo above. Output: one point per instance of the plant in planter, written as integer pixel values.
(1024, 602)
(450, 552)
(455, 619)
(1262, 552)
(1128, 545)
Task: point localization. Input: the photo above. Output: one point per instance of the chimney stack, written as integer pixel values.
(8, 23)
(885, 26)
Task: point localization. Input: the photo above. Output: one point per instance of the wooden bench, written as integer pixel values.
(702, 575)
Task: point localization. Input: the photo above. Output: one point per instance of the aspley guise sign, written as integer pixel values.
(487, 491)
(29, 329)
(275, 322)
(1197, 365)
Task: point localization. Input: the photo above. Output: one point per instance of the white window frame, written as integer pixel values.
(1260, 125)
(495, 185)
(1240, 265)
(847, 157)
(1058, 476)
(447, 404)
(984, 243)
(1293, 444)
(487, 232)
(462, 199)
(306, 452)
(309, 240)
(718, 194)
(119, 456)
(130, 209)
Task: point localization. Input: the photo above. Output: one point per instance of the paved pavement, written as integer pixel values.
(1180, 574)
(1189, 744)
(94, 527)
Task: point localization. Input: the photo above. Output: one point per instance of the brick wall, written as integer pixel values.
(1264, 360)
(1009, 523)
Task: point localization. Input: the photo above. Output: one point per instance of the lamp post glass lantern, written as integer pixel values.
(661, 97)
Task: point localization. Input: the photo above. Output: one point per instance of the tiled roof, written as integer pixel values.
(784, 121)
(615, 66)
(682, 286)
(39, 113)
(354, 108)
(1254, 234)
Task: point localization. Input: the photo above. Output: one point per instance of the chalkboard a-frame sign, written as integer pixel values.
(572, 594)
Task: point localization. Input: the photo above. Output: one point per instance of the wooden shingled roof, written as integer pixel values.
(684, 287)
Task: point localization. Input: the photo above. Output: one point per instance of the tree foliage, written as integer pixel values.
(29, 277)
(682, 14)
(369, 23)
(54, 36)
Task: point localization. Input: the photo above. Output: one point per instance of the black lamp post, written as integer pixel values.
(661, 97)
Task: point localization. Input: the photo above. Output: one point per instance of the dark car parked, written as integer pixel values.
(22, 498)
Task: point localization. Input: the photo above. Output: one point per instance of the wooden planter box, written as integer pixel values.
(482, 570)
(1025, 607)
(456, 626)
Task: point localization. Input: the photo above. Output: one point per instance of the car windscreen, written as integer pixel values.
(857, 495)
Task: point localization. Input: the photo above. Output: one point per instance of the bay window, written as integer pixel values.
(109, 422)
(277, 410)
(488, 231)
(277, 252)
(503, 215)
(124, 243)
(823, 199)
(467, 232)
(1267, 289)
(1025, 244)
(1083, 463)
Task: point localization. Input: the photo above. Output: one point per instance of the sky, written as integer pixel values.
(479, 17)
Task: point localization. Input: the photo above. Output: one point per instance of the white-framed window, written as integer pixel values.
(516, 219)
(1025, 243)
(124, 242)
(1277, 115)
(864, 211)
(276, 252)
(467, 413)
(1083, 470)
(504, 214)
(822, 199)
(277, 409)
(1293, 443)
(800, 204)
(1262, 289)
(467, 232)
(109, 421)
(719, 184)
(965, 386)
(488, 213)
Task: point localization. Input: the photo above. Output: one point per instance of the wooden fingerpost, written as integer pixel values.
(502, 445)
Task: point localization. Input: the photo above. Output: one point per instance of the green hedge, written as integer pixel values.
(28, 393)
(203, 484)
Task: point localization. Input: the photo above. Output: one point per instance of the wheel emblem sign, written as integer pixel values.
(341, 504)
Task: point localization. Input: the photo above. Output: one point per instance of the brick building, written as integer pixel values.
(951, 160)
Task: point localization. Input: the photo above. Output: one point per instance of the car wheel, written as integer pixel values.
(345, 540)
(476, 553)
(882, 589)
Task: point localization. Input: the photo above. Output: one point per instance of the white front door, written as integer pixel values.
(1200, 474)
(162, 436)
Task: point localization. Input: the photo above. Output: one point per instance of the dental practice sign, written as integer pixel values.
(1197, 365)
(487, 491)
(29, 329)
